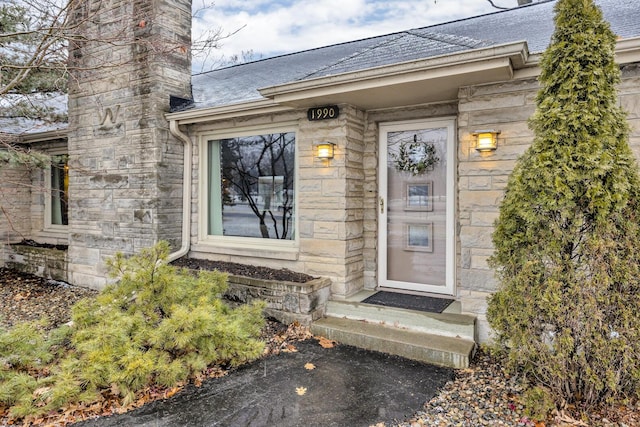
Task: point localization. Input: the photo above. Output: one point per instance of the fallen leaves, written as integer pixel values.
(326, 342)
(298, 332)
(171, 392)
(562, 418)
(22, 295)
(282, 341)
(289, 348)
(301, 391)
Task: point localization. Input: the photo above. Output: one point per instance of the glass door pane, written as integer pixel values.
(416, 239)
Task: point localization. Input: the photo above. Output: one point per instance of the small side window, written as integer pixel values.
(59, 191)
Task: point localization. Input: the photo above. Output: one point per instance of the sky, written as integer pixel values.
(266, 28)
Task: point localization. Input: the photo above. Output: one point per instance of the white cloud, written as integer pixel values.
(269, 27)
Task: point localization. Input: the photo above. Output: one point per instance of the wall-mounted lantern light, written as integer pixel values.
(324, 150)
(486, 140)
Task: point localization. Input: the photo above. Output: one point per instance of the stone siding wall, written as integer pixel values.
(482, 177)
(125, 167)
(287, 302)
(15, 202)
(629, 93)
(330, 201)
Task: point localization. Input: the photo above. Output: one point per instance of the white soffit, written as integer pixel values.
(416, 82)
(628, 50)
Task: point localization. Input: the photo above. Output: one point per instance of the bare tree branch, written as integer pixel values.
(47, 31)
(496, 6)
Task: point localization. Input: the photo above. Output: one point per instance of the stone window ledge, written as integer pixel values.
(224, 249)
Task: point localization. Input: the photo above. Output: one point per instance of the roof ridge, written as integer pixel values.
(387, 39)
(453, 39)
(379, 36)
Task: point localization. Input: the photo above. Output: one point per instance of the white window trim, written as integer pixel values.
(249, 244)
(48, 226)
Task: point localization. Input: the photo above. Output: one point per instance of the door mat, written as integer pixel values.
(411, 302)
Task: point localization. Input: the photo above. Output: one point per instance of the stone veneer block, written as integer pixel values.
(49, 263)
(287, 302)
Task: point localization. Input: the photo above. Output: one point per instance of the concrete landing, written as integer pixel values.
(445, 339)
(429, 348)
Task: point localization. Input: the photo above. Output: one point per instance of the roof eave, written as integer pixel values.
(32, 137)
(380, 87)
(477, 65)
(628, 50)
(199, 115)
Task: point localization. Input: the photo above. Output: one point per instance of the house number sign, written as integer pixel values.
(323, 113)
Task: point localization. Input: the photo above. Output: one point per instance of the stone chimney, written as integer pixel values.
(125, 168)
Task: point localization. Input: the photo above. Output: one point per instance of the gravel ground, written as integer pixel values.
(25, 298)
(481, 395)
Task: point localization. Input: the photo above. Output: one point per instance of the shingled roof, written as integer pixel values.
(532, 23)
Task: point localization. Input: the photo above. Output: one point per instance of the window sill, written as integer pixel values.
(53, 235)
(247, 250)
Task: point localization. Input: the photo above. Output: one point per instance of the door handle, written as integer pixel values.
(381, 205)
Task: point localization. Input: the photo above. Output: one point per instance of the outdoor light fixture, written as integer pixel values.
(486, 140)
(324, 150)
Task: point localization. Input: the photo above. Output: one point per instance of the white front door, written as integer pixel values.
(416, 206)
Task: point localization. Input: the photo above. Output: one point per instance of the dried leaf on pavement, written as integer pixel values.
(326, 342)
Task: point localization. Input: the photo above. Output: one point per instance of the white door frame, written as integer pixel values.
(450, 246)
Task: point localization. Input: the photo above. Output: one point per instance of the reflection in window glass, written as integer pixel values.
(59, 191)
(251, 186)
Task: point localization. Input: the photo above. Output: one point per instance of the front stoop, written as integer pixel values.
(445, 339)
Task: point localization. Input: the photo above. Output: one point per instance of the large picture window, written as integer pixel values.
(251, 186)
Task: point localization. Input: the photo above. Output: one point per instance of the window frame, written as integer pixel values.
(240, 242)
(48, 224)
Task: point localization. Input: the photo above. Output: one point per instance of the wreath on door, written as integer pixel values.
(415, 157)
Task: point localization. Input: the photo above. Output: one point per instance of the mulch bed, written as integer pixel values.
(236, 269)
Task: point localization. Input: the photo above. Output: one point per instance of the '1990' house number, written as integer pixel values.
(323, 113)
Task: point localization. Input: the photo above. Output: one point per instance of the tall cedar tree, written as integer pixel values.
(567, 251)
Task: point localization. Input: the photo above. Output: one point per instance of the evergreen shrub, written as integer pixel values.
(158, 325)
(567, 240)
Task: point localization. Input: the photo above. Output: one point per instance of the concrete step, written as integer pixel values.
(448, 324)
(425, 347)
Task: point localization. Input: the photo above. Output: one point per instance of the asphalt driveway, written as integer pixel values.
(315, 386)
